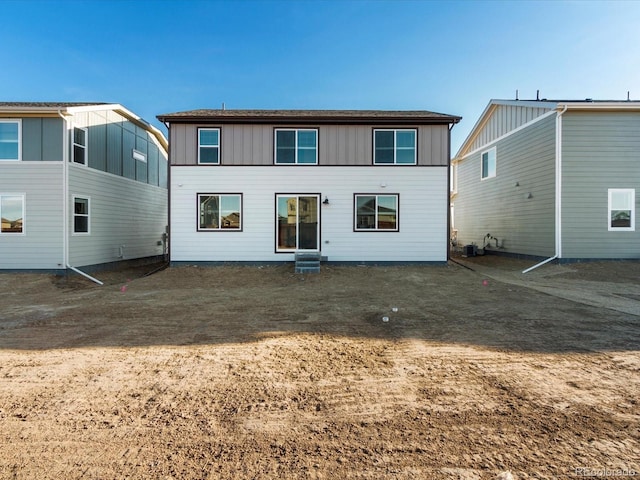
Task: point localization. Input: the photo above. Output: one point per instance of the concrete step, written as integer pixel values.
(307, 262)
(307, 269)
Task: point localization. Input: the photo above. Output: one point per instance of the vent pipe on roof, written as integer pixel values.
(537, 95)
(223, 107)
(517, 95)
(628, 99)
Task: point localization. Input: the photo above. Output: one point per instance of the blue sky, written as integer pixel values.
(451, 57)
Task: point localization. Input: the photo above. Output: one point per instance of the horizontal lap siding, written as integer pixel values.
(122, 212)
(498, 207)
(422, 216)
(41, 247)
(599, 151)
(337, 144)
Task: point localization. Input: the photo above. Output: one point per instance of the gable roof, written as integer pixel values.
(311, 116)
(534, 109)
(69, 108)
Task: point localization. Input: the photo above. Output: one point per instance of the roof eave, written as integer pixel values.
(310, 120)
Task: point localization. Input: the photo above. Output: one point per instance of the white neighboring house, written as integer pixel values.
(260, 185)
(81, 185)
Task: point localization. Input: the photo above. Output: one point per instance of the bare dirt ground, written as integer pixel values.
(257, 373)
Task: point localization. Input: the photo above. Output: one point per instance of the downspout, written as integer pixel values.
(65, 202)
(558, 219)
(449, 192)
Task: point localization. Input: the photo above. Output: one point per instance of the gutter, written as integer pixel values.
(558, 239)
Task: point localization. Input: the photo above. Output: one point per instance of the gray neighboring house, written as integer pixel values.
(357, 185)
(552, 179)
(81, 185)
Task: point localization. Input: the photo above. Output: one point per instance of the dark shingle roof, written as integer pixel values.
(309, 116)
(49, 104)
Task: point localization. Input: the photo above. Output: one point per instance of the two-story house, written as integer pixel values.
(554, 179)
(81, 185)
(260, 185)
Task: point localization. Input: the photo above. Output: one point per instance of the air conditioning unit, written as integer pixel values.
(469, 250)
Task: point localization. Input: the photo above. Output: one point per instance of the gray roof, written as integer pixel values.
(49, 104)
(309, 116)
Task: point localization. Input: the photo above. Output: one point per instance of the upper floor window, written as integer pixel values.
(622, 211)
(209, 146)
(376, 213)
(296, 146)
(394, 147)
(12, 213)
(488, 167)
(80, 145)
(219, 211)
(9, 139)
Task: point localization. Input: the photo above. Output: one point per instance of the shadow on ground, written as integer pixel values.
(233, 304)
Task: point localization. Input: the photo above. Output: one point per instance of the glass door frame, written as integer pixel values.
(297, 196)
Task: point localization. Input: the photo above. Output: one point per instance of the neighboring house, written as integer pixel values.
(259, 185)
(550, 179)
(81, 185)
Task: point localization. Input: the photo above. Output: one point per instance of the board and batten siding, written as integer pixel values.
(498, 206)
(600, 150)
(42, 139)
(126, 217)
(503, 120)
(111, 141)
(423, 198)
(41, 244)
(337, 144)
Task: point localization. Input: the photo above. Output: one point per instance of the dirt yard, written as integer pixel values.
(258, 373)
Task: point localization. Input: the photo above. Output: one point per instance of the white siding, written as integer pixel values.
(423, 208)
(124, 213)
(41, 246)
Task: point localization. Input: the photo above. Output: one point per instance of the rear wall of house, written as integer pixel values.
(422, 212)
(600, 151)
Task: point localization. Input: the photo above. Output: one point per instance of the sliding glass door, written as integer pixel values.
(297, 222)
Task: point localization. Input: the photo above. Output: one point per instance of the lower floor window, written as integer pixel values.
(376, 213)
(622, 203)
(219, 211)
(80, 215)
(12, 213)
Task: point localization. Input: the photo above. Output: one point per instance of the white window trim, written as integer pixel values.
(219, 146)
(219, 229)
(395, 145)
(74, 214)
(19, 122)
(295, 148)
(85, 146)
(24, 214)
(376, 229)
(495, 167)
(632, 228)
